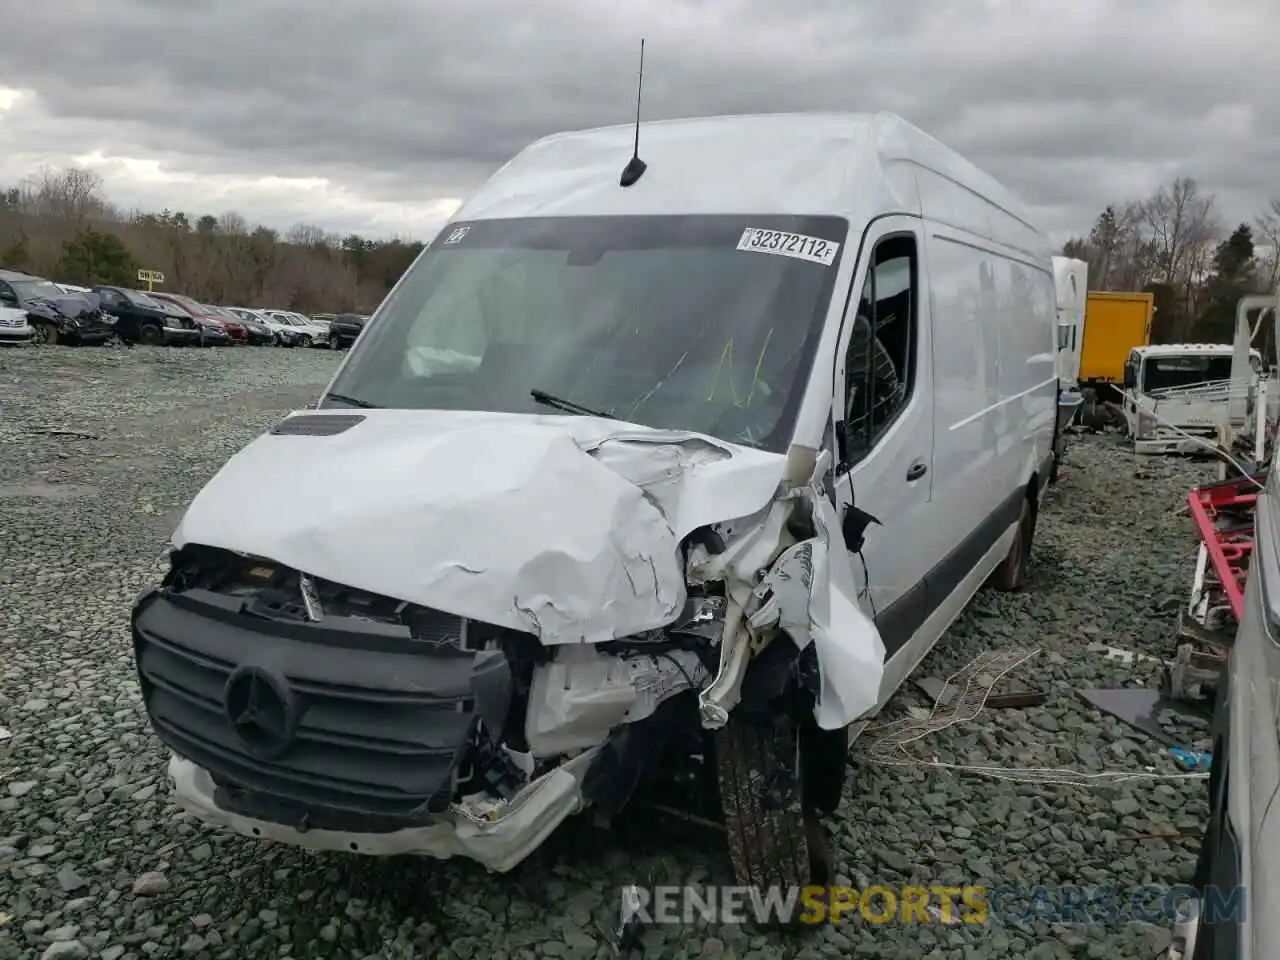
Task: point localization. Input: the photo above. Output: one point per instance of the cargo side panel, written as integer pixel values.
(1114, 323)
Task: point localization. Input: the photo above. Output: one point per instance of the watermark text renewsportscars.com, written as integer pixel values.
(933, 904)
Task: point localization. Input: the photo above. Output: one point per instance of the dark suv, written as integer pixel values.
(344, 328)
(143, 319)
(55, 315)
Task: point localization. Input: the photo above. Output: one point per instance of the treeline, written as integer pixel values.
(59, 224)
(1173, 244)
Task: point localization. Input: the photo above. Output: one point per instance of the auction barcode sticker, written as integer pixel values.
(783, 244)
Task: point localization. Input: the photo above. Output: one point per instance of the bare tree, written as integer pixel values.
(1182, 229)
(1268, 226)
(70, 194)
(232, 224)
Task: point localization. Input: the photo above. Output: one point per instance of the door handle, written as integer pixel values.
(916, 471)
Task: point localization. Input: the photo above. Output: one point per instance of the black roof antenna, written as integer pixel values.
(636, 167)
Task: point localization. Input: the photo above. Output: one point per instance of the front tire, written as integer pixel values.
(758, 771)
(46, 334)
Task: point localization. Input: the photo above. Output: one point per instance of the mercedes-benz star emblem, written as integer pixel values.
(261, 710)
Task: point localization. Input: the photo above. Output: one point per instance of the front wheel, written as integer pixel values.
(150, 334)
(304, 341)
(46, 333)
(759, 777)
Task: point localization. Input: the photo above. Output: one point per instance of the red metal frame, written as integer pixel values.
(1229, 550)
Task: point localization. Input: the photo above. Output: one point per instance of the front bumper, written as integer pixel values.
(22, 334)
(499, 843)
(1174, 443)
(215, 337)
(180, 336)
(379, 729)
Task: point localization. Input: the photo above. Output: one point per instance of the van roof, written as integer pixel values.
(853, 165)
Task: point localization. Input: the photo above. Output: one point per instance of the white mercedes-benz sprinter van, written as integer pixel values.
(673, 471)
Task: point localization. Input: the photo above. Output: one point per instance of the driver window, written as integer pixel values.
(880, 359)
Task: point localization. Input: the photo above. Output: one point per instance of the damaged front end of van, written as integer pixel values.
(455, 662)
(562, 525)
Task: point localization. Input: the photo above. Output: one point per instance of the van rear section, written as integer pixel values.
(1114, 323)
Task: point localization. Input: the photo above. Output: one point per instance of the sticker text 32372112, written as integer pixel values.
(783, 244)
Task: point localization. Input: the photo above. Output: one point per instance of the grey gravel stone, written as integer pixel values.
(1112, 562)
(69, 880)
(151, 884)
(65, 950)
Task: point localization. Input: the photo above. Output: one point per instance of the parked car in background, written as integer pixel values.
(139, 318)
(53, 314)
(286, 334)
(344, 328)
(257, 333)
(234, 327)
(309, 333)
(14, 327)
(212, 332)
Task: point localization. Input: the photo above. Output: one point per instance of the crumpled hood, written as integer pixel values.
(565, 527)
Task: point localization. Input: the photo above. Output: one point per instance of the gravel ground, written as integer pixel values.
(101, 449)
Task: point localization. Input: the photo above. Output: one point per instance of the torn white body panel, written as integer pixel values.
(564, 527)
(502, 518)
(810, 594)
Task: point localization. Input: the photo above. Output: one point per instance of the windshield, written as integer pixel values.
(30, 289)
(142, 300)
(704, 323)
(1163, 372)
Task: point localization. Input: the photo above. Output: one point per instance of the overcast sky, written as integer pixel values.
(381, 116)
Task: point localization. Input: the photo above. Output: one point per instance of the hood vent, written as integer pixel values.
(320, 425)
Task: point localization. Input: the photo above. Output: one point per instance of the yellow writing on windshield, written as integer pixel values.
(727, 354)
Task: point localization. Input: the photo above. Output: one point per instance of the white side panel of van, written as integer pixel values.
(968, 484)
(1028, 375)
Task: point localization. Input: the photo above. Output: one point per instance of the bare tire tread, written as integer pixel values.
(767, 845)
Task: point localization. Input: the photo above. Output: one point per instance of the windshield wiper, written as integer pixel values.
(352, 401)
(568, 405)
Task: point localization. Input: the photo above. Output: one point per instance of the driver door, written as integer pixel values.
(885, 464)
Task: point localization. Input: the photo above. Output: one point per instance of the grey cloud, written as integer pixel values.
(1073, 106)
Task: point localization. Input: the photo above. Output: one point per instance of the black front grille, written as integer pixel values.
(383, 719)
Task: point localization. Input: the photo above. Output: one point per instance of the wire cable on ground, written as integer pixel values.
(887, 744)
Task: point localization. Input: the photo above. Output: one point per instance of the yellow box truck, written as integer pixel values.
(1114, 323)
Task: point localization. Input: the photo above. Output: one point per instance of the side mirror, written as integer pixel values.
(1129, 379)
